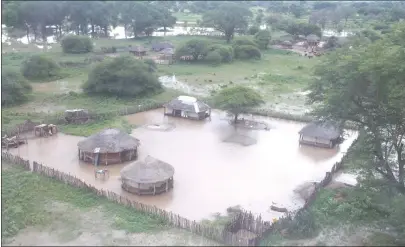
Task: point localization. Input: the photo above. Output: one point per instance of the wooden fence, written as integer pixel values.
(218, 234)
(230, 235)
(28, 125)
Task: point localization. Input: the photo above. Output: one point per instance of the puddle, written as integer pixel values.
(211, 175)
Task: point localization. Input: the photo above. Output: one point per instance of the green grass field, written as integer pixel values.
(24, 198)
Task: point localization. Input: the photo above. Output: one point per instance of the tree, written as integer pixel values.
(225, 52)
(196, 48)
(253, 30)
(38, 67)
(76, 44)
(228, 18)
(262, 39)
(296, 29)
(14, 88)
(366, 86)
(122, 77)
(214, 58)
(237, 100)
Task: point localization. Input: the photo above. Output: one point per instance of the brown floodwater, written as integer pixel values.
(210, 174)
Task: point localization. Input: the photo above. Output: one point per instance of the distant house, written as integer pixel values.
(320, 134)
(160, 46)
(313, 40)
(187, 107)
(138, 51)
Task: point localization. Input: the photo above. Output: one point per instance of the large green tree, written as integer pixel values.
(14, 88)
(228, 18)
(366, 86)
(237, 100)
(122, 77)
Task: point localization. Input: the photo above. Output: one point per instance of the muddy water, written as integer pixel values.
(210, 175)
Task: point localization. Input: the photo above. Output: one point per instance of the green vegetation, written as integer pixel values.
(25, 195)
(237, 100)
(76, 44)
(15, 88)
(40, 68)
(94, 127)
(123, 77)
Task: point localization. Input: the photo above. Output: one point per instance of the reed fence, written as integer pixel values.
(232, 234)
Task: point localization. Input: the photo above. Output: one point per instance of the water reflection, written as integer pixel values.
(211, 175)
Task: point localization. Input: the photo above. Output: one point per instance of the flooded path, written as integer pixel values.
(210, 175)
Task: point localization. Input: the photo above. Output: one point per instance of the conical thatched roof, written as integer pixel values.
(321, 129)
(187, 103)
(147, 171)
(109, 140)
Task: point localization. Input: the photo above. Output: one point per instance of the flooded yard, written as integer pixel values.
(210, 174)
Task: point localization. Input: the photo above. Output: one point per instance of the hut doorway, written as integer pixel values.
(177, 113)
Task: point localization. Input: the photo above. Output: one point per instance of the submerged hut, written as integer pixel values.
(160, 46)
(320, 134)
(187, 107)
(147, 177)
(138, 51)
(109, 146)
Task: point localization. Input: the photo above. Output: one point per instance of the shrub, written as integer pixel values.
(196, 48)
(111, 49)
(76, 44)
(38, 67)
(253, 30)
(225, 52)
(262, 38)
(243, 41)
(151, 64)
(247, 52)
(14, 88)
(214, 58)
(122, 76)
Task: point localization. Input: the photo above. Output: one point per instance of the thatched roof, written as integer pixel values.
(287, 43)
(187, 103)
(321, 129)
(147, 171)
(137, 49)
(162, 45)
(109, 141)
(312, 38)
(167, 51)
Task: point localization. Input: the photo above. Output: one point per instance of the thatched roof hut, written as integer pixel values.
(162, 45)
(287, 44)
(113, 146)
(148, 176)
(166, 54)
(313, 38)
(137, 50)
(320, 133)
(188, 107)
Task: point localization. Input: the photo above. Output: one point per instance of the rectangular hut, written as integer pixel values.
(187, 107)
(320, 134)
(138, 51)
(161, 46)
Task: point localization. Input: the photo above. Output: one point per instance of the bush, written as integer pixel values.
(214, 58)
(38, 67)
(122, 76)
(253, 30)
(76, 44)
(14, 88)
(243, 41)
(247, 52)
(111, 49)
(151, 64)
(196, 48)
(262, 38)
(225, 52)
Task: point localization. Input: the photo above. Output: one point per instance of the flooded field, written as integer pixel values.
(210, 174)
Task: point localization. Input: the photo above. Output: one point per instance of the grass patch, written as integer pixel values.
(189, 17)
(24, 195)
(94, 127)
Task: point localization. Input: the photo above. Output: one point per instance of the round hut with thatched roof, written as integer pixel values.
(111, 146)
(147, 177)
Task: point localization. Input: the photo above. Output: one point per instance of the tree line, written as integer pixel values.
(85, 17)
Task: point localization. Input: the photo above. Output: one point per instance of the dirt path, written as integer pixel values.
(71, 226)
